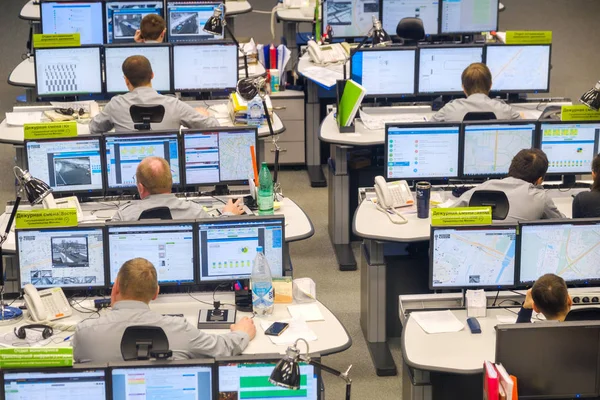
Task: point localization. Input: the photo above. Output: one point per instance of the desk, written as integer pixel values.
(290, 18)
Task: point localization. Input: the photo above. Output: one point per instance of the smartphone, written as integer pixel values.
(276, 329)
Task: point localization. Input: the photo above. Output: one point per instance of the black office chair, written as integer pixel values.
(143, 342)
(144, 114)
(583, 314)
(493, 198)
(479, 116)
(156, 213)
(410, 31)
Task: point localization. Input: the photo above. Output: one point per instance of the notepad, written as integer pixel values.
(307, 312)
(437, 321)
(349, 103)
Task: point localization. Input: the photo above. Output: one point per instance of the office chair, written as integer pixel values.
(583, 314)
(410, 31)
(144, 342)
(493, 198)
(144, 114)
(479, 116)
(156, 213)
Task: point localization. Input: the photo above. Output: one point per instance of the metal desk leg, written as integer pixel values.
(338, 207)
(289, 33)
(372, 306)
(416, 384)
(313, 145)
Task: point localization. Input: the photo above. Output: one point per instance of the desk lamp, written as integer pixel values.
(287, 371)
(379, 36)
(216, 24)
(36, 190)
(7, 313)
(591, 98)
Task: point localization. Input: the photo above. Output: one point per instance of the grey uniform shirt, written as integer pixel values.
(116, 113)
(99, 340)
(527, 201)
(478, 102)
(180, 209)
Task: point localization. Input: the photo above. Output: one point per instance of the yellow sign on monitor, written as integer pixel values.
(41, 41)
(59, 217)
(528, 37)
(461, 216)
(579, 113)
(50, 130)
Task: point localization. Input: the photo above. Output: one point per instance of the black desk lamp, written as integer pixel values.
(144, 114)
(591, 98)
(36, 190)
(379, 36)
(216, 24)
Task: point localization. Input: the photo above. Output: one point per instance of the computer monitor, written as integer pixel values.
(489, 147)
(83, 17)
(566, 248)
(441, 68)
(377, 70)
(469, 16)
(68, 71)
(519, 68)
(186, 19)
(169, 246)
(55, 384)
(569, 146)
(393, 11)
(67, 165)
(207, 66)
(70, 258)
(219, 156)
(551, 361)
(422, 151)
(227, 246)
(349, 18)
(472, 257)
(124, 152)
(159, 56)
(123, 18)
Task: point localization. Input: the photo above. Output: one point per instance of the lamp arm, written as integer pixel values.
(238, 46)
(353, 51)
(333, 371)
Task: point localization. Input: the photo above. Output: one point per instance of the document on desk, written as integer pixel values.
(437, 321)
(324, 76)
(22, 118)
(374, 122)
(298, 329)
(307, 312)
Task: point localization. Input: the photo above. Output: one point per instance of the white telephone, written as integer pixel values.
(70, 202)
(295, 3)
(328, 53)
(46, 305)
(391, 196)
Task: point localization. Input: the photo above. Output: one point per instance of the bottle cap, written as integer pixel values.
(259, 249)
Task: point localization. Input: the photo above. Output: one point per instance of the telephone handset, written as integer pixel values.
(328, 53)
(46, 305)
(391, 196)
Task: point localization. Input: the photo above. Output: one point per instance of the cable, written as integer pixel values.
(200, 301)
(496, 299)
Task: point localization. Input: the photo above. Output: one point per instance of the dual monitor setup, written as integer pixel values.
(183, 252)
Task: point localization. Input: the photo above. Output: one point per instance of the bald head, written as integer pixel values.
(154, 175)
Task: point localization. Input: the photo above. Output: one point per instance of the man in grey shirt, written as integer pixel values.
(476, 83)
(527, 198)
(138, 78)
(99, 340)
(154, 183)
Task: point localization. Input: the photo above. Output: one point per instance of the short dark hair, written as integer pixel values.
(477, 78)
(550, 295)
(529, 165)
(137, 70)
(596, 170)
(152, 26)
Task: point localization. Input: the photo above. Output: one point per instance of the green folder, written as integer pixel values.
(349, 103)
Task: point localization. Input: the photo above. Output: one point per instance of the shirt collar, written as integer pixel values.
(476, 96)
(142, 89)
(160, 196)
(131, 305)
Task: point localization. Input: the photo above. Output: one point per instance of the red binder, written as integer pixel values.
(490, 382)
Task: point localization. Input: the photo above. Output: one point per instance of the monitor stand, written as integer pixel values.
(221, 190)
(569, 181)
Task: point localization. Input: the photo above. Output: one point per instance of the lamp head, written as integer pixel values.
(215, 24)
(380, 36)
(591, 98)
(35, 189)
(287, 372)
(248, 88)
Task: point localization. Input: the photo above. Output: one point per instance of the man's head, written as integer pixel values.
(137, 71)
(529, 165)
(153, 28)
(476, 78)
(136, 281)
(153, 176)
(551, 297)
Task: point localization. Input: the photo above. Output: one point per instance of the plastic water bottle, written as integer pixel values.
(262, 285)
(265, 191)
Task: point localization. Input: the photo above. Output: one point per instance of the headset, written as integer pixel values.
(22, 334)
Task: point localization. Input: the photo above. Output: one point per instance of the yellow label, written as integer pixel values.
(461, 216)
(579, 113)
(41, 41)
(49, 130)
(46, 218)
(528, 37)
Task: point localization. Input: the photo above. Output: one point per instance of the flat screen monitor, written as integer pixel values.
(472, 257)
(168, 246)
(377, 70)
(488, 148)
(159, 56)
(227, 246)
(569, 371)
(569, 249)
(55, 384)
(68, 71)
(440, 68)
(64, 257)
(422, 151)
(123, 18)
(519, 68)
(393, 11)
(124, 152)
(569, 146)
(67, 165)
(469, 16)
(186, 19)
(208, 66)
(349, 18)
(83, 17)
(219, 156)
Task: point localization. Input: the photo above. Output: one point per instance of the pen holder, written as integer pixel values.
(339, 90)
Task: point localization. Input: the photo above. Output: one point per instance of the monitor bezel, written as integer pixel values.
(347, 37)
(462, 32)
(108, 2)
(197, 2)
(393, 34)
(502, 226)
(76, 2)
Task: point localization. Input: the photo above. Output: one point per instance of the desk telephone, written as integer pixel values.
(46, 305)
(391, 196)
(329, 53)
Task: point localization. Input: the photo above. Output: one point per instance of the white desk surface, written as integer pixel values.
(331, 334)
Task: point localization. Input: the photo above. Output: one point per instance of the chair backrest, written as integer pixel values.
(142, 342)
(479, 116)
(143, 114)
(584, 314)
(410, 30)
(156, 213)
(493, 198)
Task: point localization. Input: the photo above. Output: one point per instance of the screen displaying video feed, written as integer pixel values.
(123, 18)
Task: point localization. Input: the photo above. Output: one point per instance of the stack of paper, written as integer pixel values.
(437, 321)
(21, 118)
(306, 312)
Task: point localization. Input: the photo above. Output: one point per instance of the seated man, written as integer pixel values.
(138, 78)
(548, 296)
(99, 340)
(476, 83)
(154, 183)
(152, 29)
(527, 199)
